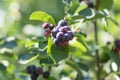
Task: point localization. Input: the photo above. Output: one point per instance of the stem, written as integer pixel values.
(97, 52)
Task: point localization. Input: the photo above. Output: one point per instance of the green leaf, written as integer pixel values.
(73, 6)
(30, 43)
(26, 58)
(59, 53)
(106, 5)
(47, 60)
(9, 44)
(115, 57)
(42, 16)
(83, 67)
(2, 67)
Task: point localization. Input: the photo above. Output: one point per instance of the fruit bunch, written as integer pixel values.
(48, 27)
(36, 71)
(61, 34)
(117, 46)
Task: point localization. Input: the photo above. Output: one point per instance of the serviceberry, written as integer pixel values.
(45, 25)
(62, 23)
(54, 32)
(46, 74)
(30, 69)
(87, 2)
(117, 43)
(47, 33)
(34, 76)
(38, 71)
(60, 36)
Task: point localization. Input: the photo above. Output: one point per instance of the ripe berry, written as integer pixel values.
(64, 29)
(34, 76)
(38, 71)
(54, 32)
(47, 33)
(60, 35)
(46, 74)
(56, 41)
(30, 69)
(45, 25)
(62, 23)
(51, 26)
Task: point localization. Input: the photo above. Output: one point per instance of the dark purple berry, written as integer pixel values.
(45, 25)
(47, 33)
(56, 41)
(34, 76)
(54, 32)
(38, 71)
(62, 23)
(46, 74)
(60, 36)
(70, 35)
(30, 69)
(64, 29)
(51, 26)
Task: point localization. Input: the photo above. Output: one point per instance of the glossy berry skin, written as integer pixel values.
(46, 74)
(64, 29)
(60, 36)
(45, 25)
(51, 26)
(54, 32)
(30, 69)
(56, 41)
(38, 71)
(62, 23)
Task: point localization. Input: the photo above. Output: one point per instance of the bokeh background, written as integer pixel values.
(16, 28)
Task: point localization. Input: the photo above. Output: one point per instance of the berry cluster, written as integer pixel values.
(48, 27)
(117, 46)
(36, 71)
(61, 34)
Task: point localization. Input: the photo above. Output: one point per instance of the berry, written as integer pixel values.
(70, 33)
(56, 41)
(34, 76)
(38, 71)
(45, 25)
(47, 33)
(46, 74)
(62, 23)
(54, 32)
(64, 29)
(60, 35)
(30, 69)
(117, 43)
(51, 26)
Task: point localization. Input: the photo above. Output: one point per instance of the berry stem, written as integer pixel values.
(97, 52)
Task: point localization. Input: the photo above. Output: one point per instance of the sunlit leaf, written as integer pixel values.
(42, 16)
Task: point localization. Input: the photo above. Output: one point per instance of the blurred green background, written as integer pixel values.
(16, 28)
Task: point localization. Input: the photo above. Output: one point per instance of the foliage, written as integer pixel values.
(22, 41)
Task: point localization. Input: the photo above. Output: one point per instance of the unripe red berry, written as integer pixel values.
(45, 25)
(47, 33)
(116, 49)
